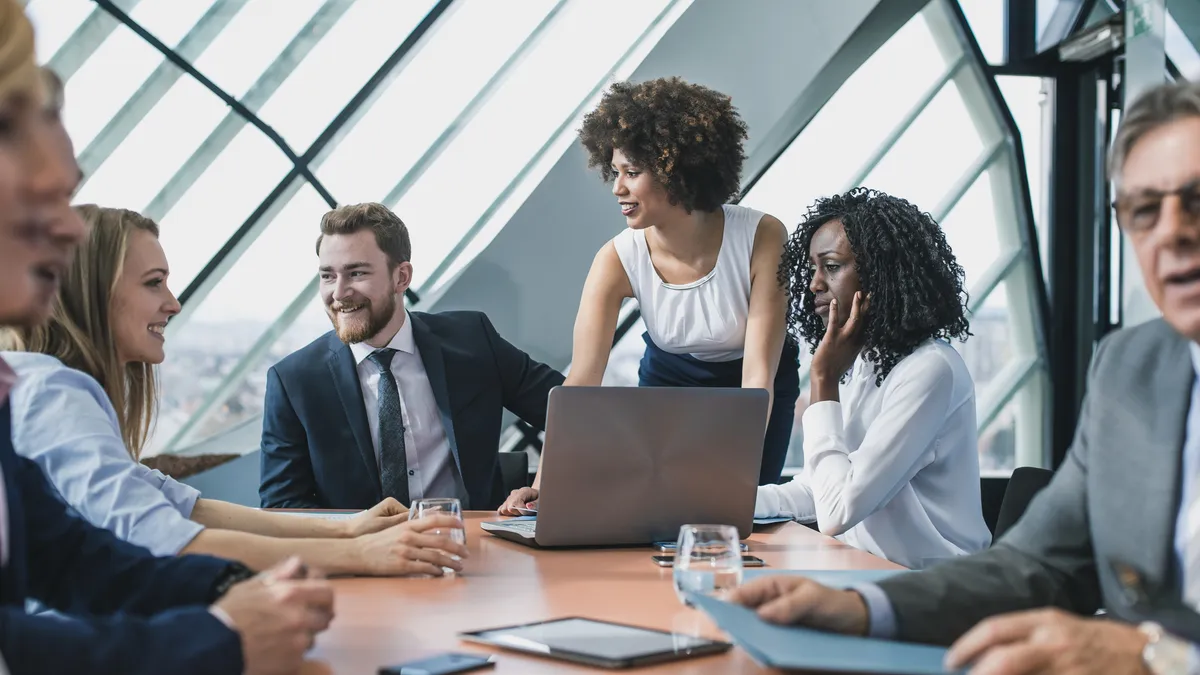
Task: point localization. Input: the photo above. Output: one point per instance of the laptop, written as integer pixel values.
(630, 465)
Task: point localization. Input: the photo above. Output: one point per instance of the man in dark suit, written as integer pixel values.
(391, 403)
(126, 611)
(1119, 525)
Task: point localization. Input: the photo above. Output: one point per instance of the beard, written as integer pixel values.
(363, 324)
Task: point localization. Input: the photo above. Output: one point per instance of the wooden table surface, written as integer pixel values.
(391, 621)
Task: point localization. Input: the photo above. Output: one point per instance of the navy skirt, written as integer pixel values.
(664, 369)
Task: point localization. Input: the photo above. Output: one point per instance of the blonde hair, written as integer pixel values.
(19, 72)
(79, 332)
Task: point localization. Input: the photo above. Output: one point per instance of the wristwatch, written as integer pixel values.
(1165, 654)
(235, 573)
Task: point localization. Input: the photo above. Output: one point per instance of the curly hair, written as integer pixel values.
(903, 262)
(689, 137)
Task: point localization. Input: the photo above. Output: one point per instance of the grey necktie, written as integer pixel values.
(393, 465)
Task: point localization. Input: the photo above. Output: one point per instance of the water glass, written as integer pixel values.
(424, 508)
(708, 559)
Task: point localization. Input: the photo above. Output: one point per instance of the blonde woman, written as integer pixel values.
(85, 405)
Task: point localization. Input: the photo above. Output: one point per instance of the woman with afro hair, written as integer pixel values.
(705, 272)
(891, 462)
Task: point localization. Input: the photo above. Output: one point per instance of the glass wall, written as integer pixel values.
(338, 101)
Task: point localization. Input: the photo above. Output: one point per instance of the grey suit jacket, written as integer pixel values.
(1116, 496)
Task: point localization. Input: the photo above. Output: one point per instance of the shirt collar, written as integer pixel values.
(8, 380)
(403, 341)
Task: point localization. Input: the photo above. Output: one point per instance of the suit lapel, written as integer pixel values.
(349, 390)
(435, 369)
(1166, 407)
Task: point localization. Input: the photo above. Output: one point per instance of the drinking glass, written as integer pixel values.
(708, 559)
(424, 508)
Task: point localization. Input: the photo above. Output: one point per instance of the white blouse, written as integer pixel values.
(893, 469)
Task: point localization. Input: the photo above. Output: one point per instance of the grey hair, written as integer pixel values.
(1156, 107)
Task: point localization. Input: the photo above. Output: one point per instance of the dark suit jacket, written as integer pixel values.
(1114, 499)
(316, 445)
(143, 614)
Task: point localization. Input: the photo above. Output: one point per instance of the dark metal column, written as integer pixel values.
(1078, 235)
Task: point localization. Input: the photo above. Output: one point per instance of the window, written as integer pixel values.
(937, 150)
(828, 157)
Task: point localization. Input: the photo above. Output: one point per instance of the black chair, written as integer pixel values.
(1026, 481)
(514, 470)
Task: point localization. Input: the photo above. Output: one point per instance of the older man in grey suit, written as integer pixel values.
(1119, 526)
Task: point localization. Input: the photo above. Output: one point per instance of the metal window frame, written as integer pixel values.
(302, 165)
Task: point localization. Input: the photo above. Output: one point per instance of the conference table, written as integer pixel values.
(388, 621)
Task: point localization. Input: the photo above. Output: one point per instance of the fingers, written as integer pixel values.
(313, 593)
(792, 606)
(832, 326)
(438, 522)
(435, 557)
(438, 543)
(290, 568)
(762, 590)
(415, 567)
(854, 320)
(992, 633)
(1015, 659)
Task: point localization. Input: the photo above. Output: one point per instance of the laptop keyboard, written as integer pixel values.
(521, 525)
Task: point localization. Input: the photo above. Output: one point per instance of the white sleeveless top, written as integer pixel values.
(706, 318)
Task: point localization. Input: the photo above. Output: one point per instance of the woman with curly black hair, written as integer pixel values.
(705, 272)
(891, 462)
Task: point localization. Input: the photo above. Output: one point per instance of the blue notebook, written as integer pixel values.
(795, 648)
(831, 578)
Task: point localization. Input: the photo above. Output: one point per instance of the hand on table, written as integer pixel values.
(519, 498)
(383, 515)
(789, 600)
(406, 548)
(277, 615)
(1049, 641)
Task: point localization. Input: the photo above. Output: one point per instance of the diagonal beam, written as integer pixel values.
(86, 39)
(465, 116)
(248, 232)
(903, 125)
(553, 139)
(156, 86)
(280, 69)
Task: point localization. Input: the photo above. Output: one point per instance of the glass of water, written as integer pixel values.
(424, 508)
(708, 559)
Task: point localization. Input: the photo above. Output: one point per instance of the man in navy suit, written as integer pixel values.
(133, 613)
(391, 402)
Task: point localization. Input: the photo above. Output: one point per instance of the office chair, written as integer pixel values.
(514, 470)
(1026, 481)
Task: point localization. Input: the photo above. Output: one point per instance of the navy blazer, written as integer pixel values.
(143, 614)
(316, 445)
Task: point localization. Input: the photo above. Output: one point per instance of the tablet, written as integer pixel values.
(596, 643)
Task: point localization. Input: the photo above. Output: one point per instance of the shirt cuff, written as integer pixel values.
(821, 422)
(881, 618)
(223, 617)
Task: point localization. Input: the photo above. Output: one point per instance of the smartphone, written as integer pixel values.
(669, 546)
(669, 561)
(442, 664)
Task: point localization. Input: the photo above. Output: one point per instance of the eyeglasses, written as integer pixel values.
(1140, 213)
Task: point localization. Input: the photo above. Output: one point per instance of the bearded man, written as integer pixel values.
(391, 403)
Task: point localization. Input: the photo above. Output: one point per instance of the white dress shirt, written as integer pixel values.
(431, 470)
(893, 469)
(63, 421)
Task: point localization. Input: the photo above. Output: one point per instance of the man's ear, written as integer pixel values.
(402, 276)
